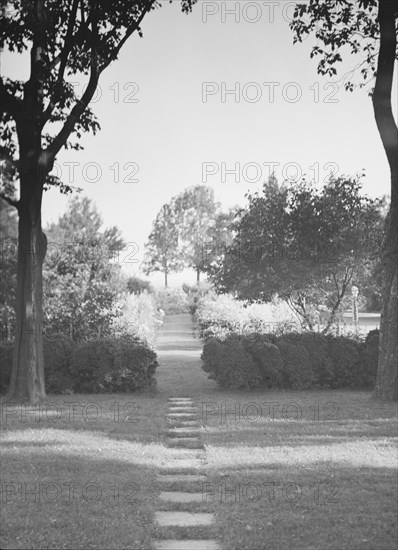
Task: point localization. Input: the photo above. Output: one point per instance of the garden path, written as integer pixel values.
(182, 520)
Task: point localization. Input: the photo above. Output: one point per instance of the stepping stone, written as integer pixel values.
(186, 423)
(179, 496)
(180, 477)
(180, 398)
(180, 414)
(170, 544)
(183, 440)
(185, 464)
(184, 410)
(182, 432)
(184, 519)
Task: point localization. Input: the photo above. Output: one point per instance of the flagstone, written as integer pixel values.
(184, 519)
(186, 544)
(172, 478)
(180, 496)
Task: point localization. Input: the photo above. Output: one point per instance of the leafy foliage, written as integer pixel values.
(292, 360)
(82, 288)
(341, 25)
(305, 245)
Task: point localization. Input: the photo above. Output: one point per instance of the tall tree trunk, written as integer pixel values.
(27, 376)
(197, 275)
(387, 374)
(165, 278)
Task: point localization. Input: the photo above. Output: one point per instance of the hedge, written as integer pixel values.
(123, 364)
(293, 360)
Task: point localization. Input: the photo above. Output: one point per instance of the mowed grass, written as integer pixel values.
(286, 470)
(313, 470)
(79, 471)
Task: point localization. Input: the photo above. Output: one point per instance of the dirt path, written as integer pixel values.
(180, 371)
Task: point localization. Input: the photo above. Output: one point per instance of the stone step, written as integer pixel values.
(181, 441)
(181, 414)
(186, 544)
(180, 496)
(184, 519)
(180, 399)
(185, 464)
(183, 432)
(184, 410)
(186, 423)
(172, 478)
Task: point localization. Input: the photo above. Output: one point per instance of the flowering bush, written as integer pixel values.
(221, 315)
(138, 318)
(172, 300)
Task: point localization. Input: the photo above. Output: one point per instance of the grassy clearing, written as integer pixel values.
(302, 470)
(286, 470)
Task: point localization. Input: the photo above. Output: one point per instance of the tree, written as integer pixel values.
(367, 27)
(136, 285)
(82, 287)
(39, 118)
(161, 251)
(196, 212)
(305, 245)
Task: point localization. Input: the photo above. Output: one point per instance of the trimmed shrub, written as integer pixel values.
(267, 357)
(230, 364)
(57, 351)
(124, 364)
(120, 365)
(293, 360)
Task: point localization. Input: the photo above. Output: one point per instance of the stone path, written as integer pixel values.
(179, 486)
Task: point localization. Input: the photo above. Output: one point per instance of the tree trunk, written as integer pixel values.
(165, 278)
(197, 275)
(387, 374)
(27, 376)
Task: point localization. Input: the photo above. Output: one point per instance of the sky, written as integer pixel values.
(219, 97)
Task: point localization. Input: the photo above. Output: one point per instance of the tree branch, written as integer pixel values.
(60, 140)
(11, 202)
(9, 103)
(133, 27)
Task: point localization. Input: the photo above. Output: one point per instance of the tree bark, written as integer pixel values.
(387, 374)
(27, 376)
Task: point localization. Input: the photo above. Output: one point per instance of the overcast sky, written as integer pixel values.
(169, 122)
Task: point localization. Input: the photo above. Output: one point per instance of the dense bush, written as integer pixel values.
(123, 364)
(113, 365)
(292, 360)
(136, 285)
(57, 357)
(230, 364)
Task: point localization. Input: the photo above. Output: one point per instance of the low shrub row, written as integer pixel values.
(292, 361)
(123, 364)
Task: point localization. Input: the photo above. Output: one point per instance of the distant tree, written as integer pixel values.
(196, 212)
(38, 118)
(367, 28)
(136, 285)
(82, 285)
(161, 251)
(306, 246)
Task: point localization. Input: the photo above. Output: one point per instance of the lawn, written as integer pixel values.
(286, 470)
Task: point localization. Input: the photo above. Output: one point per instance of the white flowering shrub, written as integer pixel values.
(221, 315)
(139, 318)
